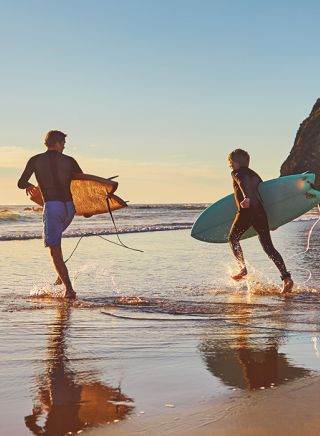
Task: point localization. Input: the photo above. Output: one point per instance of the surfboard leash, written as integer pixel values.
(117, 232)
(120, 244)
(72, 252)
(302, 253)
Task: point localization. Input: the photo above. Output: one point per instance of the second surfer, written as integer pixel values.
(251, 213)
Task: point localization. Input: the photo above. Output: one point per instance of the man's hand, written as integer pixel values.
(245, 204)
(30, 189)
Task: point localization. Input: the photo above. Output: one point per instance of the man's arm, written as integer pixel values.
(23, 182)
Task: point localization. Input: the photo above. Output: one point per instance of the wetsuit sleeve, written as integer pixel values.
(27, 173)
(75, 167)
(243, 181)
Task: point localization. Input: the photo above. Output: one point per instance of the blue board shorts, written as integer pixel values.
(57, 216)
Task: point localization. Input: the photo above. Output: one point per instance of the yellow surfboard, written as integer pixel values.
(89, 195)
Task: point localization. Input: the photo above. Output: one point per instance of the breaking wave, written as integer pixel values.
(94, 232)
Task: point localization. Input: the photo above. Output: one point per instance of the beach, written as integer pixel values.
(159, 342)
(291, 409)
(150, 136)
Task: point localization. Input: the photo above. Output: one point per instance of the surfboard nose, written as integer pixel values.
(196, 232)
(193, 233)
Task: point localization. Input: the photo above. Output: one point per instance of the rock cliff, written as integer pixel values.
(305, 153)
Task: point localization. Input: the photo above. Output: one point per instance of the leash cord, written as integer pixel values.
(117, 233)
(307, 249)
(120, 244)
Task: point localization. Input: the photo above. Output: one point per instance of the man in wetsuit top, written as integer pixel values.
(54, 171)
(251, 213)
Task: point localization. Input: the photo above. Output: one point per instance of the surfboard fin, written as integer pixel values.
(313, 193)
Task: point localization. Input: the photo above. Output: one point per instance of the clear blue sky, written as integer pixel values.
(166, 82)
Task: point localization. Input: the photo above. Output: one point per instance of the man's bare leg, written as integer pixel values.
(60, 267)
(58, 280)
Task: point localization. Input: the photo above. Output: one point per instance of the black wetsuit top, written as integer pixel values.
(245, 184)
(53, 171)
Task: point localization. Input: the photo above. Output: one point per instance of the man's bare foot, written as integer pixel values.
(240, 275)
(58, 282)
(70, 293)
(287, 285)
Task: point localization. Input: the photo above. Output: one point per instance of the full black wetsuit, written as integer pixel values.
(245, 184)
(53, 171)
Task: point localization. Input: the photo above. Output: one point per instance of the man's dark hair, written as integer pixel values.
(240, 156)
(54, 136)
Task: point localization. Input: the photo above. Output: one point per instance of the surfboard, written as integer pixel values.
(89, 195)
(284, 199)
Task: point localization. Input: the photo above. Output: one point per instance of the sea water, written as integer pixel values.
(149, 331)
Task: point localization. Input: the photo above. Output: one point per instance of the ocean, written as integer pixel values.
(24, 222)
(152, 331)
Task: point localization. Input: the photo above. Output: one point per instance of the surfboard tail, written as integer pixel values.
(313, 194)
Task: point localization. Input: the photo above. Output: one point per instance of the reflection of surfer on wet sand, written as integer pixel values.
(54, 172)
(249, 359)
(68, 402)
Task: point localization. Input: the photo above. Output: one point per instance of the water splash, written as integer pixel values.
(96, 273)
(46, 290)
(255, 283)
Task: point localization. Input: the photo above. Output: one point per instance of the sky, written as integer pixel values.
(156, 91)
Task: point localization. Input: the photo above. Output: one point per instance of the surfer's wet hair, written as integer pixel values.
(53, 137)
(240, 156)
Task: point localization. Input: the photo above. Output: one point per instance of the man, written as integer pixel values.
(54, 171)
(251, 213)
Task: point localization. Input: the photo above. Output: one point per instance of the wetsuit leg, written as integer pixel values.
(241, 224)
(260, 224)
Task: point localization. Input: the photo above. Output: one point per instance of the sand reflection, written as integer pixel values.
(66, 401)
(246, 358)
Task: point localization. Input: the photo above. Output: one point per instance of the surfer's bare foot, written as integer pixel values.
(58, 282)
(240, 275)
(70, 293)
(287, 285)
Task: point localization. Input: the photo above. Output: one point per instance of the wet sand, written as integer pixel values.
(157, 342)
(292, 409)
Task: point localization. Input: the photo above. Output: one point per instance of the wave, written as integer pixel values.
(7, 215)
(94, 232)
(173, 206)
(15, 214)
(24, 214)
